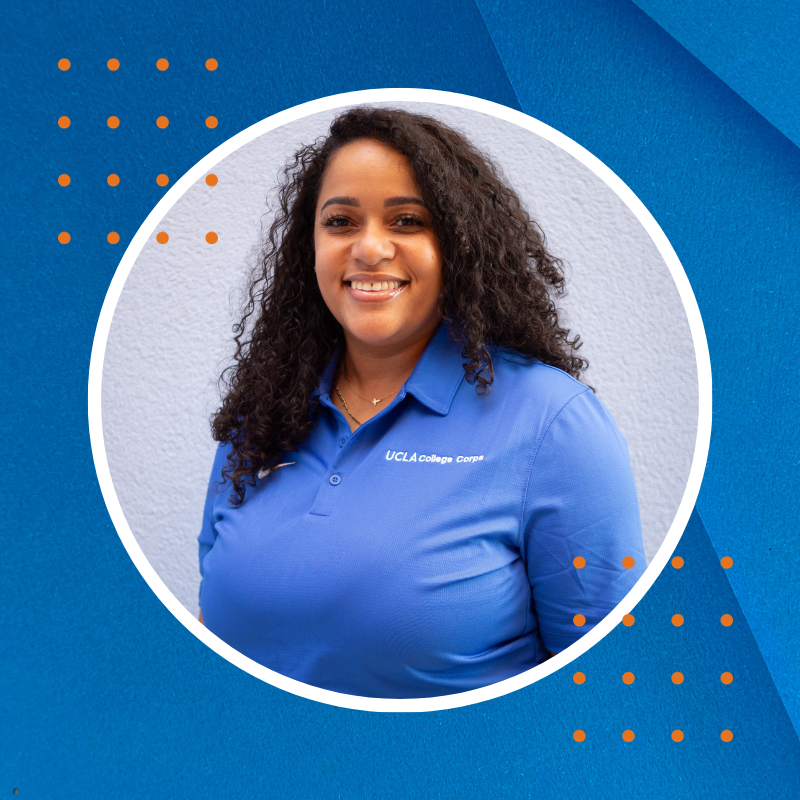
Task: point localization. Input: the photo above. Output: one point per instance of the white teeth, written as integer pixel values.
(377, 286)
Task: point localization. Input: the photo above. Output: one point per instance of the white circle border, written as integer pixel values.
(701, 444)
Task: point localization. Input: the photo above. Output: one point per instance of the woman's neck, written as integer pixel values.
(380, 371)
(366, 374)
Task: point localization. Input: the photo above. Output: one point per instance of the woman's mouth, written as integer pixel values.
(374, 291)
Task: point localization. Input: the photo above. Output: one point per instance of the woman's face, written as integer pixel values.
(378, 262)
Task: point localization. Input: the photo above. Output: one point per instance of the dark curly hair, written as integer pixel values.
(499, 286)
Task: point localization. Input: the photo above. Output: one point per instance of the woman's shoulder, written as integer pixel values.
(515, 371)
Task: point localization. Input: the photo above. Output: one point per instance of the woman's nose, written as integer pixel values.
(373, 245)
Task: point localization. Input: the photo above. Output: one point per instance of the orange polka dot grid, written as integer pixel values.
(628, 620)
(162, 64)
(727, 562)
(677, 678)
(162, 179)
(579, 620)
(211, 64)
(726, 620)
(162, 122)
(64, 64)
(677, 736)
(628, 736)
(628, 562)
(579, 678)
(64, 237)
(579, 736)
(63, 180)
(726, 678)
(211, 180)
(113, 180)
(677, 562)
(113, 122)
(579, 562)
(113, 64)
(113, 237)
(726, 736)
(628, 677)
(212, 237)
(211, 122)
(677, 620)
(64, 122)
(162, 237)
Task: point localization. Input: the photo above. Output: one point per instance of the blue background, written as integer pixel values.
(104, 693)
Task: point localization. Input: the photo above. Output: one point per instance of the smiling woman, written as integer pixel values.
(379, 269)
(410, 471)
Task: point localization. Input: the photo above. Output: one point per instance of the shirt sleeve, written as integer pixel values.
(208, 532)
(580, 503)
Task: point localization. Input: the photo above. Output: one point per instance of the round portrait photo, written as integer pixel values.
(400, 400)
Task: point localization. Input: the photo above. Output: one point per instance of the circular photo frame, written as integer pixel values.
(163, 337)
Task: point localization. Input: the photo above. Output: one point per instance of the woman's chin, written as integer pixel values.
(382, 335)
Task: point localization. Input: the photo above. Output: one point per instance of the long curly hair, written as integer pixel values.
(500, 282)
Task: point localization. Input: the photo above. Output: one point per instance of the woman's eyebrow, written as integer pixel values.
(403, 201)
(340, 201)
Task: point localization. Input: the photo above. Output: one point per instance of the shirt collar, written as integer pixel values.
(434, 381)
(439, 372)
(326, 379)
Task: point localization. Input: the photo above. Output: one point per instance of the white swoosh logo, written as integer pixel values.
(263, 472)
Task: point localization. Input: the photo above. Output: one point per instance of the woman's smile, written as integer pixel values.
(377, 258)
(374, 288)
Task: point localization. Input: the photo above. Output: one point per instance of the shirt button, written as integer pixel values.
(335, 480)
(342, 441)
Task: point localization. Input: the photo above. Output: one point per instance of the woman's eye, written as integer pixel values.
(335, 222)
(409, 221)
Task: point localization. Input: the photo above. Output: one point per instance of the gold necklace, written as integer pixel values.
(375, 400)
(336, 386)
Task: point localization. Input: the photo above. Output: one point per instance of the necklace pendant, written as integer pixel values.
(375, 402)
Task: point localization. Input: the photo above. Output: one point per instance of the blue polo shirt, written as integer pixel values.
(431, 550)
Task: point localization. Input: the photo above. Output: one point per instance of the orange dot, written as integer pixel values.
(677, 620)
(162, 64)
(162, 179)
(113, 64)
(63, 180)
(628, 562)
(726, 678)
(677, 736)
(162, 122)
(726, 736)
(63, 64)
(579, 736)
(726, 620)
(677, 562)
(211, 64)
(64, 237)
(727, 562)
(113, 237)
(628, 620)
(113, 180)
(113, 122)
(212, 237)
(162, 237)
(579, 562)
(211, 180)
(628, 677)
(628, 736)
(63, 122)
(579, 678)
(677, 677)
(579, 620)
(211, 122)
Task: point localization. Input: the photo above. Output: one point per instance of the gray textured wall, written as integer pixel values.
(170, 334)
